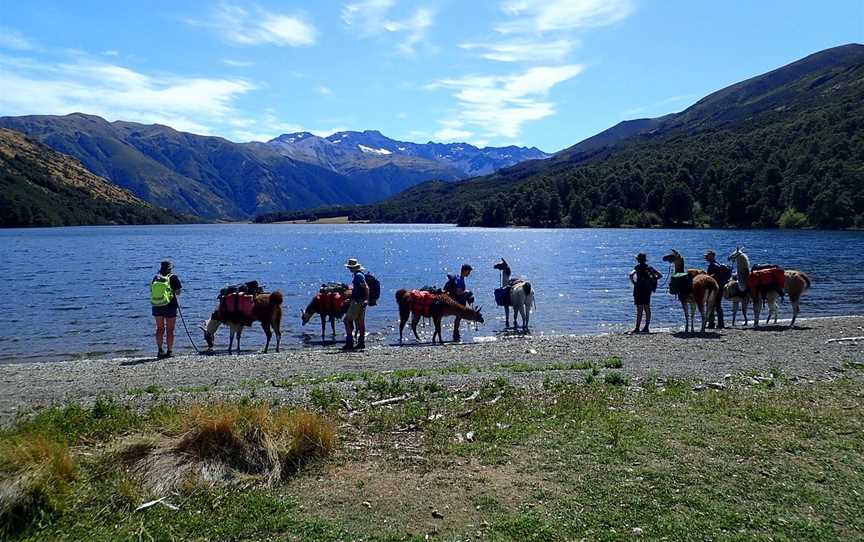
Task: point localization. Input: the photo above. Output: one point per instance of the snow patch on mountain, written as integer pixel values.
(371, 150)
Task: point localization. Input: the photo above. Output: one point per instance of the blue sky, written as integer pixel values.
(543, 73)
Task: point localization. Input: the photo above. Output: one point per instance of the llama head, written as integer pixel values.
(209, 328)
(672, 256)
(739, 251)
(305, 316)
(477, 316)
(502, 266)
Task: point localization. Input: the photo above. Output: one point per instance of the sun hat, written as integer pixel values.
(641, 257)
(711, 253)
(165, 267)
(353, 264)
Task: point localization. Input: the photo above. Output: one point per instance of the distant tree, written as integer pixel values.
(832, 211)
(614, 216)
(467, 215)
(792, 219)
(554, 214)
(576, 216)
(678, 204)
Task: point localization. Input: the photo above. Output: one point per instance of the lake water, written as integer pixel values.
(84, 292)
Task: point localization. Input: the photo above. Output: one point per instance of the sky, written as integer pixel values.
(544, 73)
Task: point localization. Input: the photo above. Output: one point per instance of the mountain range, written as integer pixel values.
(214, 178)
(785, 148)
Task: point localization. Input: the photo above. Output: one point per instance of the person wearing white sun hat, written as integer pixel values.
(357, 307)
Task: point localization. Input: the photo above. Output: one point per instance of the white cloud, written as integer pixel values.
(116, 92)
(549, 15)
(499, 105)
(238, 25)
(236, 63)
(447, 134)
(523, 50)
(111, 52)
(12, 39)
(373, 18)
(326, 91)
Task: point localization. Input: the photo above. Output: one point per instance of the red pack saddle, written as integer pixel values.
(773, 277)
(332, 303)
(421, 302)
(237, 307)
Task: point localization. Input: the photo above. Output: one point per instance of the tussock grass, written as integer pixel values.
(35, 473)
(228, 441)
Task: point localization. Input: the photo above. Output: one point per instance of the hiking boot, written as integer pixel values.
(160, 354)
(457, 337)
(361, 344)
(168, 354)
(349, 344)
(710, 325)
(645, 329)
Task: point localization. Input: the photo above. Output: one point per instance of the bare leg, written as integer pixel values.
(169, 332)
(639, 310)
(160, 331)
(456, 336)
(647, 318)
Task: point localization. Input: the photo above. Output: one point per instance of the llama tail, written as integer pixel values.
(276, 298)
(806, 280)
(527, 288)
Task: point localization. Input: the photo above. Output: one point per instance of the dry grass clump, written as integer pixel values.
(228, 441)
(35, 473)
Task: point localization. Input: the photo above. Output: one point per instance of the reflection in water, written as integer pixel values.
(84, 291)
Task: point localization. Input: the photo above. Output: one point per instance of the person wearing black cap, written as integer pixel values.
(457, 289)
(164, 289)
(644, 279)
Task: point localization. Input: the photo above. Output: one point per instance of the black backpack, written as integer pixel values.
(374, 288)
(724, 274)
(450, 286)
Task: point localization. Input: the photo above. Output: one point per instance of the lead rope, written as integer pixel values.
(668, 276)
(182, 319)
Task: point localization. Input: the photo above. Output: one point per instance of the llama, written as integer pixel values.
(521, 296)
(796, 283)
(335, 306)
(702, 295)
(267, 309)
(441, 305)
(737, 295)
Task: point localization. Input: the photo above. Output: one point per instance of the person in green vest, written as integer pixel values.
(164, 289)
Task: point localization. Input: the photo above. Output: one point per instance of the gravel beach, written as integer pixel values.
(806, 352)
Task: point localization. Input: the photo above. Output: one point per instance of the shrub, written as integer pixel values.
(792, 219)
(616, 379)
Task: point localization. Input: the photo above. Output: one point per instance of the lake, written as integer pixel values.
(84, 292)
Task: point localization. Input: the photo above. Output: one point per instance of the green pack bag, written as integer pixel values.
(161, 293)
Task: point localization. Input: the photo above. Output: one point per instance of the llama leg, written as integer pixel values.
(277, 328)
(437, 321)
(231, 339)
(734, 311)
(796, 306)
(239, 333)
(506, 316)
(323, 327)
(527, 308)
(268, 334)
(456, 323)
(415, 319)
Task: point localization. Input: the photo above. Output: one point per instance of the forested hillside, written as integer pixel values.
(40, 187)
(782, 149)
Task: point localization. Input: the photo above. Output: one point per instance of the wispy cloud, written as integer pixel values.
(497, 106)
(111, 52)
(257, 26)
(117, 92)
(524, 50)
(237, 63)
(325, 90)
(13, 39)
(374, 18)
(549, 15)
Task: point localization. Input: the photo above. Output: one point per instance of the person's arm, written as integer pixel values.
(176, 285)
(632, 276)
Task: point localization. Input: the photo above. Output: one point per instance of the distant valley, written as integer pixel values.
(213, 178)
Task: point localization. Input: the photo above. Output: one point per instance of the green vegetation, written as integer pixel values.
(39, 187)
(563, 462)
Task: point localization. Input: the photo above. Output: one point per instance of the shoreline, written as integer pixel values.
(802, 353)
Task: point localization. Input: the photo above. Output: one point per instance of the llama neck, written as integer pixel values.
(679, 265)
(505, 278)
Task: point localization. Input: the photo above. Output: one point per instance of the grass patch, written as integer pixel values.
(615, 378)
(564, 461)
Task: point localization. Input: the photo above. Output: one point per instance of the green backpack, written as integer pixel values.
(161, 293)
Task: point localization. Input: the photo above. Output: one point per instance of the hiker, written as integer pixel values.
(722, 274)
(457, 290)
(644, 279)
(357, 307)
(164, 289)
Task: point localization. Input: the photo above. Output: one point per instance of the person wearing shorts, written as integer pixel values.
(644, 279)
(166, 315)
(356, 313)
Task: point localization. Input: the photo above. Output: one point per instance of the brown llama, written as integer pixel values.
(334, 306)
(441, 305)
(702, 296)
(267, 309)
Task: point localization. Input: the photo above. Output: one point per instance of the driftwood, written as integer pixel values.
(844, 339)
(390, 400)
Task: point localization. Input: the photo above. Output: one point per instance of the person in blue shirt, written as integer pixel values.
(456, 289)
(357, 308)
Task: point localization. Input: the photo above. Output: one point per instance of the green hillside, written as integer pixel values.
(782, 149)
(40, 187)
